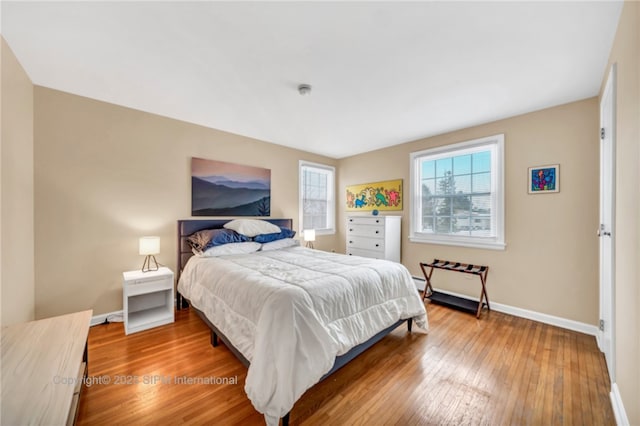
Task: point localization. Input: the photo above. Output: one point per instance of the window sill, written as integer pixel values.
(490, 245)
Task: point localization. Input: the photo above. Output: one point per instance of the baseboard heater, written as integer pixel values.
(446, 299)
(455, 302)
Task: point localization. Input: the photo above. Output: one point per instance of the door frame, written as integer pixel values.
(607, 278)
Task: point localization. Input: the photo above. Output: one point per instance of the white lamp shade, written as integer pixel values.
(309, 234)
(149, 245)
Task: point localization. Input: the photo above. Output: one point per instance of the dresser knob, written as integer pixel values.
(377, 232)
(377, 245)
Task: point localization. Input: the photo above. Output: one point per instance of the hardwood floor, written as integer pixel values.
(499, 370)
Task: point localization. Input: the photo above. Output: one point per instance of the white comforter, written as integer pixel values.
(292, 311)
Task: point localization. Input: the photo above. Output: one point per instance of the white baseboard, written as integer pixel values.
(524, 313)
(581, 327)
(102, 318)
(600, 340)
(618, 408)
(116, 316)
(419, 282)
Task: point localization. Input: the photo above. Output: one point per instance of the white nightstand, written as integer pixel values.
(147, 299)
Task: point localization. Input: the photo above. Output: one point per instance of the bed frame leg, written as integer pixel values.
(285, 420)
(181, 302)
(409, 324)
(214, 339)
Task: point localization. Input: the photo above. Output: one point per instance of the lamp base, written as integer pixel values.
(147, 266)
(309, 244)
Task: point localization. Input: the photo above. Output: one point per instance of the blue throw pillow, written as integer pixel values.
(267, 238)
(226, 236)
(208, 238)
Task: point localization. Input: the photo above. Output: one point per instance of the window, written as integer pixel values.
(457, 194)
(317, 197)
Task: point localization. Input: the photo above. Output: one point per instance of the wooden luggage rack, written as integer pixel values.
(457, 302)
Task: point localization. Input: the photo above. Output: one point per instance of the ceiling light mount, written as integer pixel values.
(304, 89)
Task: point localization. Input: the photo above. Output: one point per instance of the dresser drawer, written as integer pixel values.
(365, 230)
(354, 241)
(145, 287)
(365, 253)
(365, 220)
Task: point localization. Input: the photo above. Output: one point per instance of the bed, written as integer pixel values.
(292, 315)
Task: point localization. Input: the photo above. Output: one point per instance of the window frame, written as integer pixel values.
(331, 196)
(495, 144)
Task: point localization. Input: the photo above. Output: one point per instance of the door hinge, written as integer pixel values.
(602, 133)
(601, 327)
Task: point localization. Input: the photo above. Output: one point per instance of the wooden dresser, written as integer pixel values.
(374, 236)
(44, 364)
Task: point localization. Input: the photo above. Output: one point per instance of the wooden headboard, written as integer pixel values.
(189, 226)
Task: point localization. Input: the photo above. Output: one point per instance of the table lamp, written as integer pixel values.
(149, 246)
(309, 236)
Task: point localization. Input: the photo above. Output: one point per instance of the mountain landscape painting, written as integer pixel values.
(227, 189)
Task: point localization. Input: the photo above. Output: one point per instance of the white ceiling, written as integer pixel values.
(383, 73)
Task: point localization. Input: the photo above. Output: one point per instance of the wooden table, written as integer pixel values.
(43, 366)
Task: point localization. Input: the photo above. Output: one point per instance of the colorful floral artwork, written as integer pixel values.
(381, 196)
(544, 179)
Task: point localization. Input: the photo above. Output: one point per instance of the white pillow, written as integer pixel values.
(278, 244)
(252, 227)
(232, 248)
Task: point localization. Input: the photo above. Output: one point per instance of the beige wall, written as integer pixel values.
(550, 264)
(106, 175)
(626, 54)
(16, 229)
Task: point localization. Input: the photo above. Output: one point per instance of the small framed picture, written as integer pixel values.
(544, 179)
